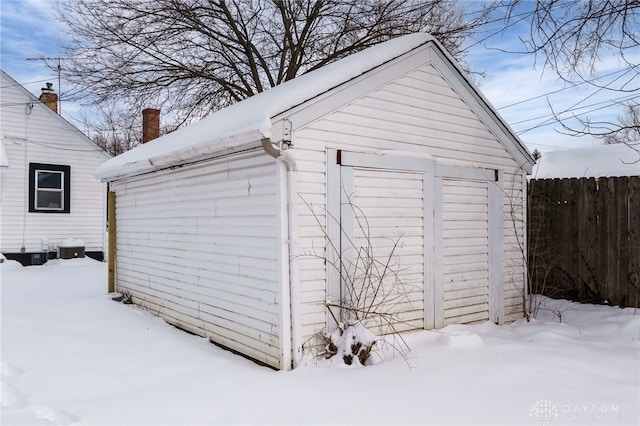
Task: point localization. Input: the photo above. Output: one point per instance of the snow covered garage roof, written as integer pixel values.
(244, 124)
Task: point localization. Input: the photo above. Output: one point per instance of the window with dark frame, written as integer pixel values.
(49, 188)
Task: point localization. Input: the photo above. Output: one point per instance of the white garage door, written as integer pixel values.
(385, 231)
(431, 234)
(465, 254)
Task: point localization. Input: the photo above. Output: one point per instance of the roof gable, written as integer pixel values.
(245, 123)
(430, 53)
(451, 71)
(8, 82)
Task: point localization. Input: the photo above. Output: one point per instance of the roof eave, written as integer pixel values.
(204, 151)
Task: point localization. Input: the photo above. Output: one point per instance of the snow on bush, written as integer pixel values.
(352, 343)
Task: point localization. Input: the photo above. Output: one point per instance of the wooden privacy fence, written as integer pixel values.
(584, 239)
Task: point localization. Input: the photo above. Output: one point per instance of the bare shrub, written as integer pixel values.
(371, 289)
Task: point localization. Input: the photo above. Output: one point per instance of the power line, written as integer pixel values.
(549, 122)
(608, 102)
(22, 84)
(573, 107)
(542, 145)
(572, 86)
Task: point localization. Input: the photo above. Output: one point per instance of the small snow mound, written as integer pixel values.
(10, 398)
(8, 370)
(76, 261)
(22, 408)
(460, 339)
(44, 413)
(523, 321)
(546, 335)
(71, 242)
(5, 263)
(487, 326)
(53, 416)
(631, 327)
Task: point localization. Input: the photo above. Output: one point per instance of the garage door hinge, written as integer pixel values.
(339, 157)
(496, 175)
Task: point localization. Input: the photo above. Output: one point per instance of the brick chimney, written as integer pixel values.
(150, 124)
(49, 97)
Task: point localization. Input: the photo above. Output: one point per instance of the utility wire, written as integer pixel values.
(573, 107)
(22, 84)
(572, 86)
(608, 102)
(548, 122)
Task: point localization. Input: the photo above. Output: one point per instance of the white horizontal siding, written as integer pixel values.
(199, 246)
(312, 222)
(417, 113)
(515, 245)
(40, 136)
(388, 211)
(465, 234)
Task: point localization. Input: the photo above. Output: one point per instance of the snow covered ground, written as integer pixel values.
(71, 355)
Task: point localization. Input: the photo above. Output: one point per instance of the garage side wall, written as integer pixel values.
(199, 247)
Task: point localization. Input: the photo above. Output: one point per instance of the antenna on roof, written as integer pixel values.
(45, 59)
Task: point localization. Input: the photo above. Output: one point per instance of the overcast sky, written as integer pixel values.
(522, 91)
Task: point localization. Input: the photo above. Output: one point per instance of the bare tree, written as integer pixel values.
(572, 36)
(629, 127)
(112, 131)
(626, 130)
(191, 57)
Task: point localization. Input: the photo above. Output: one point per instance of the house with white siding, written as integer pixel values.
(240, 227)
(48, 192)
